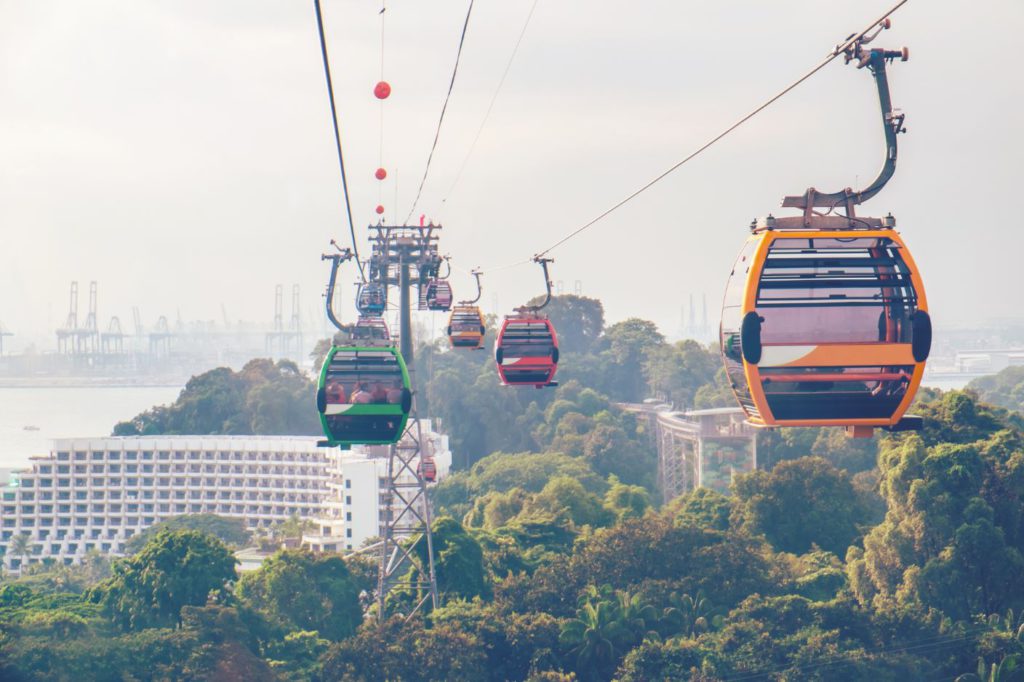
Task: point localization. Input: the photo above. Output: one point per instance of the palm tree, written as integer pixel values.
(21, 545)
(637, 616)
(689, 616)
(595, 636)
(292, 528)
(999, 672)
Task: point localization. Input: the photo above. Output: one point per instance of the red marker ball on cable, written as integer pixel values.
(379, 209)
(382, 90)
(380, 174)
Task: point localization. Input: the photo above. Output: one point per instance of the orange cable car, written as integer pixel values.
(466, 327)
(825, 327)
(825, 320)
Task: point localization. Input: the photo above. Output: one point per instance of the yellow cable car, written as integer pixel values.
(825, 325)
(825, 321)
(466, 327)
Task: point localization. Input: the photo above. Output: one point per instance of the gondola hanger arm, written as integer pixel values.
(875, 59)
(479, 288)
(543, 263)
(336, 259)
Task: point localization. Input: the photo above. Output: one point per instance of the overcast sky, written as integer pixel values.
(180, 152)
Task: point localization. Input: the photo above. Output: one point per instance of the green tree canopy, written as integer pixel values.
(952, 536)
(298, 590)
(231, 531)
(173, 570)
(264, 397)
(798, 504)
(1005, 388)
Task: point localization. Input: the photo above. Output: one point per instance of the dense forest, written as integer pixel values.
(892, 558)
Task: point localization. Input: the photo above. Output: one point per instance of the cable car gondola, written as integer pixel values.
(526, 350)
(372, 331)
(439, 295)
(466, 326)
(363, 395)
(825, 321)
(372, 298)
(427, 469)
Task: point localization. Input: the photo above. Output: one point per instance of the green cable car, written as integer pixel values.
(363, 395)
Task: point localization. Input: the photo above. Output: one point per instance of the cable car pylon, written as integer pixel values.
(406, 515)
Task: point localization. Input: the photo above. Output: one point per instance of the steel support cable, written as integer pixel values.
(832, 55)
(494, 98)
(444, 107)
(380, 148)
(337, 135)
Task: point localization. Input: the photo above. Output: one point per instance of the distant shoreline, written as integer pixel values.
(89, 382)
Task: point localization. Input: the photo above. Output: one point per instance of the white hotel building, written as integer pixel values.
(95, 493)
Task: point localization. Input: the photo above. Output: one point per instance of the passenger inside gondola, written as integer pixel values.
(395, 393)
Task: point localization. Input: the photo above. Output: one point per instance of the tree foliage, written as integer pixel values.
(299, 591)
(897, 557)
(231, 531)
(173, 570)
(264, 397)
(799, 504)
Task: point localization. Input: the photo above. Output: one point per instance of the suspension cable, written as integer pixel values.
(838, 50)
(494, 98)
(444, 107)
(337, 135)
(380, 147)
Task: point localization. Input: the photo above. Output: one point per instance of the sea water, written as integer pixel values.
(66, 412)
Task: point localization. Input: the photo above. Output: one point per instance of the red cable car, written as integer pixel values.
(427, 469)
(526, 351)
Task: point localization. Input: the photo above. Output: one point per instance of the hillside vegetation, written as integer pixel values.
(895, 558)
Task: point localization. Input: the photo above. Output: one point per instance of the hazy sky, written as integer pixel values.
(180, 151)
